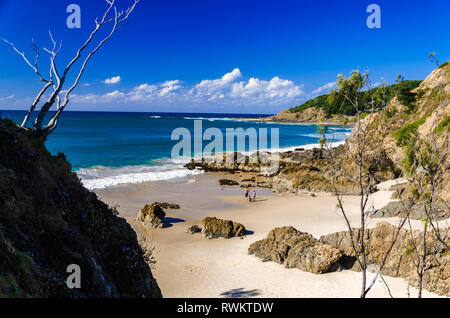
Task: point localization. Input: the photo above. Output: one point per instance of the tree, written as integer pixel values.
(365, 152)
(322, 131)
(55, 83)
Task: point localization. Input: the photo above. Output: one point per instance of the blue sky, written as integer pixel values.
(222, 55)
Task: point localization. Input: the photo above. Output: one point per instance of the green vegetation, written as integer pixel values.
(406, 97)
(405, 135)
(444, 64)
(409, 160)
(443, 124)
(317, 102)
(340, 105)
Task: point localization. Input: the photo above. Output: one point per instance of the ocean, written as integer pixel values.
(107, 149)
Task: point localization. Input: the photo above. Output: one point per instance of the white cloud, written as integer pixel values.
(112, 80)
(213, 87)
(276, 88)
(229, 91)
(2, 99)
(168, 87)
(324, 88)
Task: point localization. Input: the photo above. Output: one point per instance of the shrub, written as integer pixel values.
(405, 134)
(444, 64)
(443, 124)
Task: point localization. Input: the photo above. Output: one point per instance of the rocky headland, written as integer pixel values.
(49, 221)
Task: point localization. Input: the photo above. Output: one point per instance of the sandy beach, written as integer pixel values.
(189, 265)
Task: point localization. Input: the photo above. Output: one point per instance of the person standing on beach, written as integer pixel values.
(247, 193)
(254, 195)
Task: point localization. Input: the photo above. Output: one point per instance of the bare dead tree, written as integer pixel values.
(351, 90)
(54, 84)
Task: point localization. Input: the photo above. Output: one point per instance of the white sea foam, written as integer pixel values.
(155, 117)
(103, 177)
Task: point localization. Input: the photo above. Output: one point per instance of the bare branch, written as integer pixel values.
(54, 120)
(35, 66)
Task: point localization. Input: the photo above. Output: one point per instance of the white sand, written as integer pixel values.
(192, 266)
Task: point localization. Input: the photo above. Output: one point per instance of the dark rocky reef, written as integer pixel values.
(228, 182)
(302, 170)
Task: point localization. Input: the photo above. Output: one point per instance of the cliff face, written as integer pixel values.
(48, 221)
(427, 120)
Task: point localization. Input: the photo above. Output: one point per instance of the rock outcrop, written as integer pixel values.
(400, 262)
(166, 205)
(440, 211)
(303, 170)
(193, 229)
(48, 221)
(308, 115)
(228, 182)
(213, 228)
(296, 249)
(152, 216)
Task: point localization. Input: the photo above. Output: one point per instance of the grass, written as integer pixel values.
(444, 124)
(404, 135)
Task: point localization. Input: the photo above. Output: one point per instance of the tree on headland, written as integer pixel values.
(360, 150)
(426, 165)
(55, 83)
(322, 131)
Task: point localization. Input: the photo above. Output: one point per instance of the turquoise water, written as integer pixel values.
(110, 148)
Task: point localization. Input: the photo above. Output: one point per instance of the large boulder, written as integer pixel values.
(400, 261)
(214, 228)
(295, 249)
(152, 216)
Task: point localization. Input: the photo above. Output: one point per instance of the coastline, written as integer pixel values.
(297, 122)
(193, 266)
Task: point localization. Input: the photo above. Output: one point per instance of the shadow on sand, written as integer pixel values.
(241, 293)
(171, 221)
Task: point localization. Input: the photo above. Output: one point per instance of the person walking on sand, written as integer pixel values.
(254, 195)
(247, 193)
